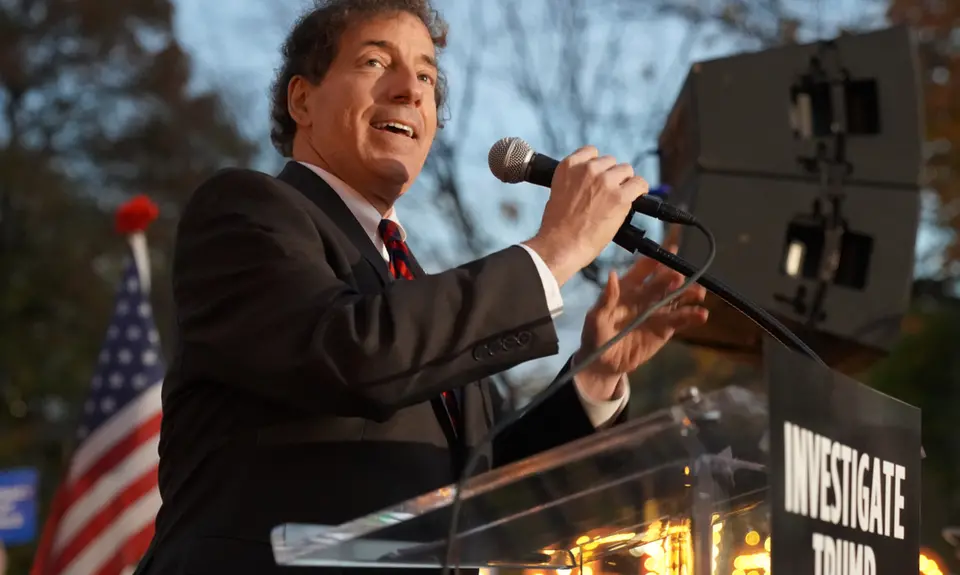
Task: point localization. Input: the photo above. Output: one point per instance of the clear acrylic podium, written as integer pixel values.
(683, 490)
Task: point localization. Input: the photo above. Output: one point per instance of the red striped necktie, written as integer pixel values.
(400, 269)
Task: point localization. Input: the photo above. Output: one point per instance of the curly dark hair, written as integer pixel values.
(311, 47)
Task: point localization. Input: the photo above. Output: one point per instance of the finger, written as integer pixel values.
(672, 237)
(608, 295)
(660, 286)
(611, 292)
(641, 288)
(687, 317)
(598, 167)
(617, 174)
(584, 154)
(641, 269)
(693, 295)
(680, 318)
(635, 187)
(687, 299)
(666, 280)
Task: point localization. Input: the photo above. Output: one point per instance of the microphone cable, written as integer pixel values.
(759, 316)
(542, 396)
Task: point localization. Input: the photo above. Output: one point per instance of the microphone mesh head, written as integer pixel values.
(509, 159)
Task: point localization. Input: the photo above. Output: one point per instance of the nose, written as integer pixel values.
(405, 87)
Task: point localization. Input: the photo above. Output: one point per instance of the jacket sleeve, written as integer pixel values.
(260, 307)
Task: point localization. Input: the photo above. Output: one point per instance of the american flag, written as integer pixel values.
(102, 516)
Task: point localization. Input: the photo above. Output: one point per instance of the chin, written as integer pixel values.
(393, 170)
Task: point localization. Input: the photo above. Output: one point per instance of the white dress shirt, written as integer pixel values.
(598, 412)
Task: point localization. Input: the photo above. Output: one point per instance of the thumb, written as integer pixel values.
(611, 292)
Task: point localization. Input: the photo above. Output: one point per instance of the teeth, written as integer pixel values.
(384, 125)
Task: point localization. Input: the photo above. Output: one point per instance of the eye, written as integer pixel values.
(374, 62)
(427, 78)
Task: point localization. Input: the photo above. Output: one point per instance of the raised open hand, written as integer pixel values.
(623, 300)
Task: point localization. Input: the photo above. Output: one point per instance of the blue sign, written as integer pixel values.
(18, 506)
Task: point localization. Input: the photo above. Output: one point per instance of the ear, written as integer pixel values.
(298, 100)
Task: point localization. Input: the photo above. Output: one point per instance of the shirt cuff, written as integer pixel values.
(601, 413)
(550, 286)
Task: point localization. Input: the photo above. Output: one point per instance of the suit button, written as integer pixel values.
(524, 338)
(480, 353)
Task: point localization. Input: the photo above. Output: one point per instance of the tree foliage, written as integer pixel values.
(937, 23)
(96, 105)
(924, 371)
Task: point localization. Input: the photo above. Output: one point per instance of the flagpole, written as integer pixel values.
(132, 221)
(141, 257)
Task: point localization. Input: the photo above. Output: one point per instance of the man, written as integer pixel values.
(320, 374)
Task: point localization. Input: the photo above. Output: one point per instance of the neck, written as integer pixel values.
(304, 152)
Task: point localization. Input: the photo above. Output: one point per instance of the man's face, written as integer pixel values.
(372, 119)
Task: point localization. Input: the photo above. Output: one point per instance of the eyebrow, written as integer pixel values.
(388, 45)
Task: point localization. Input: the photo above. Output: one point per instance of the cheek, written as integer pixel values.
(430, 124)
(335, 111)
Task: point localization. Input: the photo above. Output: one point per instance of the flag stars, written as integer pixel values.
(149, 357)
(139, 381)
(116, 380)
(129, 362)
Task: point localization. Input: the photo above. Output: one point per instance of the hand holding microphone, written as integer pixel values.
(513, 161)
(590, 197)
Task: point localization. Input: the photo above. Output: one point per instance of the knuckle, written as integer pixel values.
(638, 186)
(594, 169)
(589, 150)
(626, 197)
(584, 154)
(612, 179)
(598, 166)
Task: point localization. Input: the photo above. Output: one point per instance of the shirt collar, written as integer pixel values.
(367, 215)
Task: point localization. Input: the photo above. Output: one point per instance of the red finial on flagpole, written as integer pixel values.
(136, 215)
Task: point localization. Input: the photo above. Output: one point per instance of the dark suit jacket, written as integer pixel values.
(305, 383)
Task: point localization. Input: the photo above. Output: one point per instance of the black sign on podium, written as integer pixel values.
(798, 469)
(844, 473)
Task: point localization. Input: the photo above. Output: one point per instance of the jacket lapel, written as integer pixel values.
(320, 193)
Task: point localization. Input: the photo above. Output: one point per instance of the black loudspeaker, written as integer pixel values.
(805, 161)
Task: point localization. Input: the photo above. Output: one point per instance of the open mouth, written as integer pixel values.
(396, 128)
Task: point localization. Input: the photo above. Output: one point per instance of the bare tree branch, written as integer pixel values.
(442, 167)
(580, 98)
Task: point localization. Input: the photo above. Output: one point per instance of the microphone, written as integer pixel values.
(513, 161)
